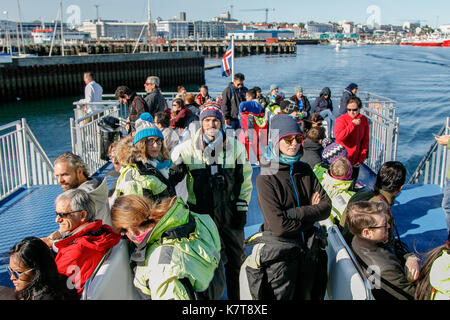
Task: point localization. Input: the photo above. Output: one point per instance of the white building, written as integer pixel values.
(114, 29)
(172, 29)
(260, 34)
(445, 28)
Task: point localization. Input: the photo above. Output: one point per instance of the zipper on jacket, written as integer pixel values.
(291, 168)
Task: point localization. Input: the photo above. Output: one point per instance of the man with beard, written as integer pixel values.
(219, 183)
(72, 173)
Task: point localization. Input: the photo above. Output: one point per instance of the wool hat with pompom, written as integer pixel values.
(333, 151)
(146, 128)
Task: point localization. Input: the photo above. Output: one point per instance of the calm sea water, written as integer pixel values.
(417, 78)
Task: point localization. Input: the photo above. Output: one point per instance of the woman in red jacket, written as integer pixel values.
(180, 115)
(352, 131)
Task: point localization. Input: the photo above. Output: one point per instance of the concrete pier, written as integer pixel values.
(207, 48)
(39, 77)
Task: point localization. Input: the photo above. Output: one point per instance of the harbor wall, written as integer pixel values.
(40, 77)
(207, 48)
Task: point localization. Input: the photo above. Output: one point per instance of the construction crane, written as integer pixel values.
(263, 9)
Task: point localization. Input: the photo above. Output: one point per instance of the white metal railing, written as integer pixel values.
(84, 130)
(432, 169)
(23, 162)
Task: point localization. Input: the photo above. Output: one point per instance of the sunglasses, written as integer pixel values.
(377, 227)
(299, 138)
(65, 214)
(153, 141)
(15, 273)
(354, 110)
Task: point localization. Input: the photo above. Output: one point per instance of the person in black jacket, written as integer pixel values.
(136, 105)
(154, 98)
(33, 271)
(312, 146)
(292, 200)
(324, 106)
(232, 97)
(348, 93)
(368, 222)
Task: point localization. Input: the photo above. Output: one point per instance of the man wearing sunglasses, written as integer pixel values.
(352, 132)
(368, 222)
(154, 98)
(81, 241)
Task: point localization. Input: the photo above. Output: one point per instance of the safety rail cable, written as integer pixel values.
(433, 167)
(23, 162)
(84, 131)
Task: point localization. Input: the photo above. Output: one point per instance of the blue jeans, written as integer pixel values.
(446, 203)
(328, 116)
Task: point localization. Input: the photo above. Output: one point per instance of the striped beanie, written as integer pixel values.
(211, 109)
(145, 128)
(333, 151)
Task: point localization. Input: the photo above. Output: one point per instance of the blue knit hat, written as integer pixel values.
(284, 125)
(146, 129)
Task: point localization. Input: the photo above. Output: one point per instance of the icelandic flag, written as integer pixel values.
(226, 60)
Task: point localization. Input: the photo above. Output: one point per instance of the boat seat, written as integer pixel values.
(113, 278)
(346, 280)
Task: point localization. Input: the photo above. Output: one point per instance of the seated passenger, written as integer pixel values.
(302, 102)
(33, 271)
(312, 146)
(178, 251)
(81, 242)
(145, 164)
(434, 278)
(368, 223)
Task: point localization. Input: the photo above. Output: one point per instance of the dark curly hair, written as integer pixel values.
(47, 283)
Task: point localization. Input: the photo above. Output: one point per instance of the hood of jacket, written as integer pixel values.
(335, 186)
(325, 91)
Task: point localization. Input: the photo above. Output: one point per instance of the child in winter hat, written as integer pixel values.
(333, 151)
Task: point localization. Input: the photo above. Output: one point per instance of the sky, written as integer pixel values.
(431, 12)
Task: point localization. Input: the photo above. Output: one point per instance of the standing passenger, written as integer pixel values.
(136, 105)
(92, 92)
(154, 98)
(219, 183)
(352, 132)
(232, 96)
(291, 200)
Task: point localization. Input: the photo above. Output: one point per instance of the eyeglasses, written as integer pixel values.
(153, 141)
(386, 224)
(299, 138)
(65, 214)
(15, 273)
(147, 84)
(352, 110)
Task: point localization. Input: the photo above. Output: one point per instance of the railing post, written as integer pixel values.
(24, 156)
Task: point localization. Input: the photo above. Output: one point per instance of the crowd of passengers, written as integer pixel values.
(183, 185)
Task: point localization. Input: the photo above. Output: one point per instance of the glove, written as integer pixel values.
(239, 219)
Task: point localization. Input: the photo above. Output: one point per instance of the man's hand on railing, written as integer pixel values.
(442, 140)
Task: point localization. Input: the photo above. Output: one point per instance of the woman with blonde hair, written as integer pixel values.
(178, 251)
(145, 164)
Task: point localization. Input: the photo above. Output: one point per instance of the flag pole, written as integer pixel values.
(232, 57)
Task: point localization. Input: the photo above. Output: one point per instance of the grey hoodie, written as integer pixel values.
(98, 190)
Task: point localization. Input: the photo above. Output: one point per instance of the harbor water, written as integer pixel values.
(417, 78)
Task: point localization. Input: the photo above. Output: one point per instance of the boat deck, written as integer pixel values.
(30, 212)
